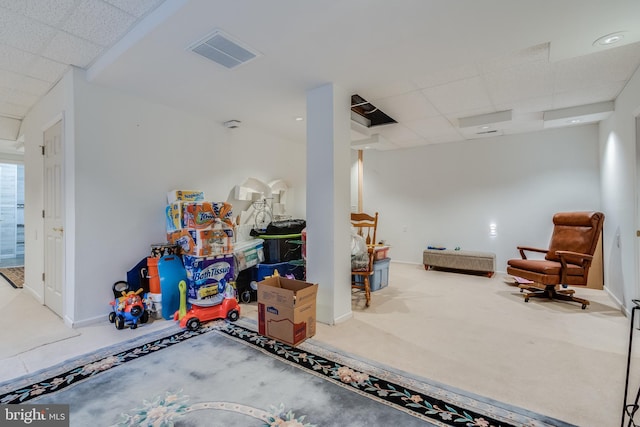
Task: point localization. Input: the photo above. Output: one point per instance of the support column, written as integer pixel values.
(328, 201)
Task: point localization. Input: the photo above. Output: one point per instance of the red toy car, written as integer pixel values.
(228, 308)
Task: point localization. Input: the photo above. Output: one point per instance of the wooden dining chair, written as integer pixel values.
(366, 226)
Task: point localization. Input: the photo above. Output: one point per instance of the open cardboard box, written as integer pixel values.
(287, 309)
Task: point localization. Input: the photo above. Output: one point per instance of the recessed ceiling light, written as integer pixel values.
(609, 39)
(574, 121)
(299, 119)
(485, 127)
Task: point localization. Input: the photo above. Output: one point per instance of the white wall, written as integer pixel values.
(448, 194)
(126, 154)
(618, 162)
(55, 105)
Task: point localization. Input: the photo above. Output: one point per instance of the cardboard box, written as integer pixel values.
(287, 309)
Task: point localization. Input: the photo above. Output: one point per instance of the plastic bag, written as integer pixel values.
(359, 252)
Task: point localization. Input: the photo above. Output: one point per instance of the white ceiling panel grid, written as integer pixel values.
(426, 63)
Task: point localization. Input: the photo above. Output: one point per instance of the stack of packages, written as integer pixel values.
(204, 232)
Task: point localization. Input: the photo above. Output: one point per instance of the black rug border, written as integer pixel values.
(144, 345)
(9, 280)
(281, 350)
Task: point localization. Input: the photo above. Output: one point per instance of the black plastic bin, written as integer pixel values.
(281, 247)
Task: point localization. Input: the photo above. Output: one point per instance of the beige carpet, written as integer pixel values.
(27, 324)
(477, 334)
(469, 332)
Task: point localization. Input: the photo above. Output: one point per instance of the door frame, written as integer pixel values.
(67, 297)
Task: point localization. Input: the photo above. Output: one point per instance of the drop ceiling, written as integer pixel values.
(433, 66)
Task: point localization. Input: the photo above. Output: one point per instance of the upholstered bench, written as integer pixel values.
(484, 262)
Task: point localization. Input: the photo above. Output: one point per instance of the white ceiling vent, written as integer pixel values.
(224, 50)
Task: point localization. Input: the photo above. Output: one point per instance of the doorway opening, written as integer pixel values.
(11, 215)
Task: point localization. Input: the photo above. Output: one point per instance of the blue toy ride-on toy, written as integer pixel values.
(129, 308)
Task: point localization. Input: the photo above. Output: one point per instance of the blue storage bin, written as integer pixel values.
(295, 267)
(380, 277)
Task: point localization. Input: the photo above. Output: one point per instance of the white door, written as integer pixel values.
(53, 214)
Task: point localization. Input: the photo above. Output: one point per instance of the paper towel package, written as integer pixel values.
(192, 242)
(200, 215)
(175, 216)
(184, 195)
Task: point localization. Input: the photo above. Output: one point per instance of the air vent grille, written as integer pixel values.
(222, 49)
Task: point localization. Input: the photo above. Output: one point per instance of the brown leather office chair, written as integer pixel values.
(566, 262)
(366, 226)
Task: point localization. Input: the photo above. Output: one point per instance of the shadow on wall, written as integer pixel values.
(615, 281)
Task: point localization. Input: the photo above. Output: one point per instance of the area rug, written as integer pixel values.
(226, 374)
(13, 275)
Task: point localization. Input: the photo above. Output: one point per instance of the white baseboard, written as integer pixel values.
(87, 322)
(343, 318)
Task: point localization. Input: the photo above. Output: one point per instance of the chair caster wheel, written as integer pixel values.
(584, 306)
(526, 300)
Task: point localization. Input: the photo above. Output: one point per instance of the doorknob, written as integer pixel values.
(60, 229)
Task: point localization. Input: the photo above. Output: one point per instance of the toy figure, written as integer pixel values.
(129, 308)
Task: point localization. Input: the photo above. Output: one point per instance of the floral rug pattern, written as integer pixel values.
(434, 405)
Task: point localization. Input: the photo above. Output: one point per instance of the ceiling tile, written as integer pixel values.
(98, 22)
(15, 60)
(610, 65)
(50, 12)
(9, 128)
(46, 69)
(68, 49)
(407, 107)
(385, 90)
(534, 79)
(397, 133)
(434, 129)
(22, 99)
(459, 96)
(23, 83)
(605, 92)
(23, 33)
(12, 110)
(532, 54)
(136, 8)
(441, 77)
